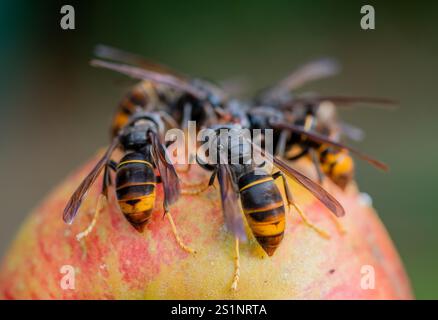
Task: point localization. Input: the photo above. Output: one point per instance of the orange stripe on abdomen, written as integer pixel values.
(266, 222)
(138, 211)
(268, 227)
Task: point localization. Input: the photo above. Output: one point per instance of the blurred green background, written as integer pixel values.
(55, 109)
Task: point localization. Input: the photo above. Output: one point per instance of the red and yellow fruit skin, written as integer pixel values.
(116, 262)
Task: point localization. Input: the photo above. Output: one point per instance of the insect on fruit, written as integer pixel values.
(196, 99)
(241, 181)
(308, 125)
(183, 97)
(330, 158)
(140, 140)
(147, 95)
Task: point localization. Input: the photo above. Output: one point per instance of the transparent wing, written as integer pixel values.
(344, 101)
(110, 53)
(327, 199)
(75, 201)
(230, 202)
(308, 72)
(325, 140)
(143, 74)
(167, 171)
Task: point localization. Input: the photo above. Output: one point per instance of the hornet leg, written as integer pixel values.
(236, 265)
(281, 145)
(101, 201)
(315, 161)
(200, 188)
(186, 169)
(175, 232)
(195, 189)
(308, 125)
(339, 226)
(321, 180)
(187, 114)
(291, 202)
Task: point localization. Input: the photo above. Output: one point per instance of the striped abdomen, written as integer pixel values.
(263, 206)
(135, 188)
(338, 165)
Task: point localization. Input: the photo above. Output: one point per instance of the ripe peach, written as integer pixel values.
(117, 262)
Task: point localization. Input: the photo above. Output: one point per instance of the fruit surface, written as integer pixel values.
(117, 262)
